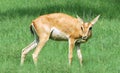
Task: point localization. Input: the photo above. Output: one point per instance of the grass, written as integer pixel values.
(100, 53)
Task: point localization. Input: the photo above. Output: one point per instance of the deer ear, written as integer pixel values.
(80, 20)
(95, 20)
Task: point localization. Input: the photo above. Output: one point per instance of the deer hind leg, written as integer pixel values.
(27, 49)
(42, 40)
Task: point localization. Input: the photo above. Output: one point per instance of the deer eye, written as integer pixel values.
(82, 28)
(90, 28)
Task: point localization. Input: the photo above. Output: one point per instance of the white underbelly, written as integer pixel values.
(58, 35)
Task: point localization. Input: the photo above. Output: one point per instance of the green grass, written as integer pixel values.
(100, 54)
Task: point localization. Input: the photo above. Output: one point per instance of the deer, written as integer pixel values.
(59, 27)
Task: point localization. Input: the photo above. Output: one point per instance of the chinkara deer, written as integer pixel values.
(59, 26)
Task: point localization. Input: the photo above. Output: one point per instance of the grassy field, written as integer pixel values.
(101, 54)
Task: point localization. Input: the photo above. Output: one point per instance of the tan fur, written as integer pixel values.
(59, 26)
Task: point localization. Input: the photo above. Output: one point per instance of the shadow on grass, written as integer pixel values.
(81, 10)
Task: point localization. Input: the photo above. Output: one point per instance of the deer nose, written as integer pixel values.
(84, 37)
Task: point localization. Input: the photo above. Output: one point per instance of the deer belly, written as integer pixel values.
(58, 35)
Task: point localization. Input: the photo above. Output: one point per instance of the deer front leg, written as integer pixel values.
(26, 50)
(79, 53)
(71, 46)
